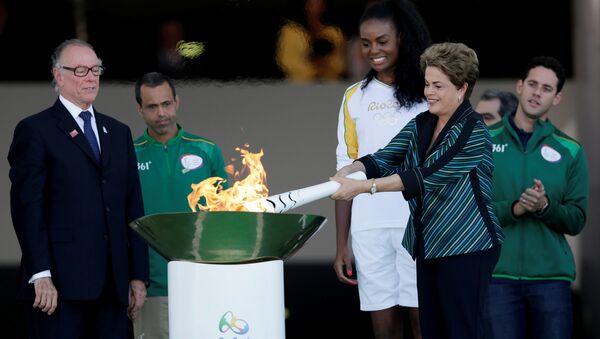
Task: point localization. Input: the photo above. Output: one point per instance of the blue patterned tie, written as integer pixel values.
(89, 133)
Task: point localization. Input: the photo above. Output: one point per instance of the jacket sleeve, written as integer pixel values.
(347, 147)
(457, 161)
(27, 157)
(568, 214)
(503, 210)
(138, 250)
(389, 160)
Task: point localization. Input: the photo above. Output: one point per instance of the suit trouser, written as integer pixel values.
(105, 317)
(452, 293)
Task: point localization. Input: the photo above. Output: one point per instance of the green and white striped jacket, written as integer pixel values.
(448, 189)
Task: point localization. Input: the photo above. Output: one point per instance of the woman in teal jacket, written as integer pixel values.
(442, 162)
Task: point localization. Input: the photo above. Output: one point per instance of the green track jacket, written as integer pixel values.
(535, 247)
(166, 174)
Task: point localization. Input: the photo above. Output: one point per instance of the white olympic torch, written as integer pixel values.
(286, 201)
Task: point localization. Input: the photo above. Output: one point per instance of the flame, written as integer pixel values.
(245, 195)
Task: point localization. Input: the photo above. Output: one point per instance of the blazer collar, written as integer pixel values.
(69, 126)
(464, 111)
(104, 130)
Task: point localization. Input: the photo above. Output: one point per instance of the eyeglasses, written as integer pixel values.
(81, 71)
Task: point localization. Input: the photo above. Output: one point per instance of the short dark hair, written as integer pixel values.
(551, 64)
(152, 79)
(508, 101)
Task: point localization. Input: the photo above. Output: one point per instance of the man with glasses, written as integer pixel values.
(75, 187)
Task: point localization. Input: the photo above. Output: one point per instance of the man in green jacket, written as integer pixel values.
(540, 194)
(169, 161)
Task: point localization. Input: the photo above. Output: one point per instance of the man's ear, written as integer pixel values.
(557, 99)
(57, 74)
(519, 86)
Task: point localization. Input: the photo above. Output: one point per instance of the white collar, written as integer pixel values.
(74, 109)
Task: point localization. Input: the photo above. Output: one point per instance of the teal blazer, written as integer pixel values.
(448, 188)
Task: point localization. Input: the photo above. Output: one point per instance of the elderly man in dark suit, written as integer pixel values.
(75, 187)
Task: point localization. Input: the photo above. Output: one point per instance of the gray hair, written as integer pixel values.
(58, 51)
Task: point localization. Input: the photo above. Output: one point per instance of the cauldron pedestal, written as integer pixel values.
(226, 269)
(226, 301)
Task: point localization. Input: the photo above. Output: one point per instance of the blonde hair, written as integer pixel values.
(457, 61)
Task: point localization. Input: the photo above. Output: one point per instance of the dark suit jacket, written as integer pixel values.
(70, 212)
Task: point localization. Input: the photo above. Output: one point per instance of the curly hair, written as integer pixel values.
(408, 76)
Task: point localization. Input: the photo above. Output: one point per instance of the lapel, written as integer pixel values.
(104, 130)
(465, 109)
(69, 126)
(425, 128)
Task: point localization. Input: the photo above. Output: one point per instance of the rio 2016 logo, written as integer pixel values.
(230, 322)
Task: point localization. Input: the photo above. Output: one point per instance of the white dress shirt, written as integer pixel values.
(75, 110)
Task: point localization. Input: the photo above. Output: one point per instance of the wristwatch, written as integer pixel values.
(373, 188)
